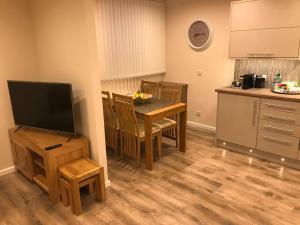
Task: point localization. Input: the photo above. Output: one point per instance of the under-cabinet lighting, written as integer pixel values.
(224, 143)
(223, 153)
(250, 160)
(281, 171)
(251, 150)
(282, 159)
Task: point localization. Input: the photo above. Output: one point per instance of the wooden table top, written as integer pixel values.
(259, 92)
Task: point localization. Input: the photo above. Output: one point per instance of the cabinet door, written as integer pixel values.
(23, 160)
(237, 120)
(275, 43)
(262, 14)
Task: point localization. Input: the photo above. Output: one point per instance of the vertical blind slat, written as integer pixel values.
(132, 37)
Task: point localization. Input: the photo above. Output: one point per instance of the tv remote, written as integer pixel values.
(53, 147)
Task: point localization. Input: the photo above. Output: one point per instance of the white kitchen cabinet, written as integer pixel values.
(260, 120)
(263, 14)
(271, 43)
(265, 28)
(278, 144)
(237, 120)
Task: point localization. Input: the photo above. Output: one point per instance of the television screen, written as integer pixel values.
(43, 105)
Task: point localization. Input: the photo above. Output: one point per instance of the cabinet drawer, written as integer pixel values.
(280, 116)
(280, 105)
(281, 128)
(278, 144)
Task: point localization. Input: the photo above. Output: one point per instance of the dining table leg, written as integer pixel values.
(148, 142)
(182, 131)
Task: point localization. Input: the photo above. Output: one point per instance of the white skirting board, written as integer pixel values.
(7, 171)
(107, 183)
(13, 169)
(201, 127)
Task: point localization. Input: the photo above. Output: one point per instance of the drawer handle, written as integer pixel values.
(280, 141)
(254, 114)
(278, 118)
(252, 54)
(278, 129)
(291, 108)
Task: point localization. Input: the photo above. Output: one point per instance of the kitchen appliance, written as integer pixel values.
(236, 84)
(259, 81)
(248, 81)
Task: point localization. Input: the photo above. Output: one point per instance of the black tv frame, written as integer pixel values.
(72, 102)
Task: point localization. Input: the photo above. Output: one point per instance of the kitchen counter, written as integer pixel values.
(259, 92)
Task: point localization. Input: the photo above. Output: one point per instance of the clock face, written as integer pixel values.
(200, 35)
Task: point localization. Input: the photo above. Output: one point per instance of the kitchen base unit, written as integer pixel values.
(260, 123)
(259, 154)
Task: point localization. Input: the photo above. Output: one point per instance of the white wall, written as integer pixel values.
(17, 62)
(183, 62)
(67, 52)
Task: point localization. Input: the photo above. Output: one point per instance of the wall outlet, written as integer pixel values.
(199, 73)
(198, 114)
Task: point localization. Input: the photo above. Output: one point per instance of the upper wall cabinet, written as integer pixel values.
(265, 28)
(267, 43)
(262, 14)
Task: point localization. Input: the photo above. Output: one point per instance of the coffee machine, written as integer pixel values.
(247, 81)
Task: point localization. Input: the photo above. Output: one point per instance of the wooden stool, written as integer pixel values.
(78, 174)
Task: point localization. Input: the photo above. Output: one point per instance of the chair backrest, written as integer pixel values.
(171, 93)
(110, 122)
(110, 118)
(125, 112)
(151, 87)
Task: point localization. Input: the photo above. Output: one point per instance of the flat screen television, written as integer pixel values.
(43, 105)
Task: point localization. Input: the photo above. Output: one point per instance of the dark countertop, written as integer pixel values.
(259, 92)
(151, 106)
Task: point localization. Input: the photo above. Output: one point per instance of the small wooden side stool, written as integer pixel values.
(78, 174)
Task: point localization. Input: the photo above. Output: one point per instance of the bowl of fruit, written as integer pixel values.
(141, 98)
(288, 87)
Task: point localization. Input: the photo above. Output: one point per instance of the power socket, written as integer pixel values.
(198, 114)
(199, 73)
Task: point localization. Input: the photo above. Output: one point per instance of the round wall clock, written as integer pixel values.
(200, 34)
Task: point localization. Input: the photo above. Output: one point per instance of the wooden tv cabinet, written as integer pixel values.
(40, 165)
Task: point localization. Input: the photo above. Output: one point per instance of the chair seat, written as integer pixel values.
(155, 129)
(165, 123)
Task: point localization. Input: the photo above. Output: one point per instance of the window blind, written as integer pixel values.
(131, 38)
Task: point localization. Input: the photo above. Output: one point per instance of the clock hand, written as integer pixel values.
(196, 35)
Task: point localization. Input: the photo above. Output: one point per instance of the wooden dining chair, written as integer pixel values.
(132, 132)
(170, 126)
(151, 87)
(111, 123)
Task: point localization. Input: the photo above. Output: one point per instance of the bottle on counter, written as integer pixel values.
(277, 80)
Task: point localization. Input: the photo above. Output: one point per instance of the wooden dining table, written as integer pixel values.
(154, 111)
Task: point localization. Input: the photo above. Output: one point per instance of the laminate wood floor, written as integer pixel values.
(206, 185)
